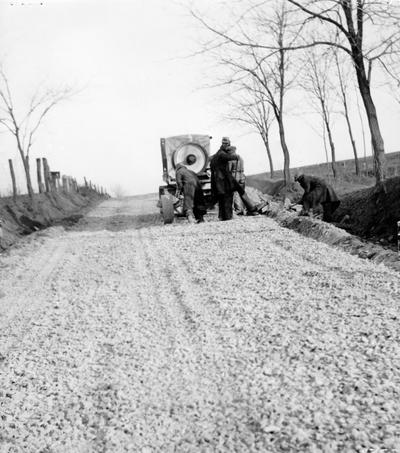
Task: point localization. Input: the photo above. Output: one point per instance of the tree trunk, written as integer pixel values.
(377, 142)
(325, 147)
(376, 136)
(363, 138)
(14, 184)
(39, 175)
(346, 115)
(353, 143)
(332, 146)
(330, 138)
(267, 147)
(285, 149)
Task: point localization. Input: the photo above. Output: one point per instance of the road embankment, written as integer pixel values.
(23, 216)
(328, 233)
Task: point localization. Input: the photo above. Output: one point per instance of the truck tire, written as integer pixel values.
(167, 209)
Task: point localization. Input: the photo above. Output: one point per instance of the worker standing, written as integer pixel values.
(223, 184)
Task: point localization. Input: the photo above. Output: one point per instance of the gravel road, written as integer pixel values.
(125, 335)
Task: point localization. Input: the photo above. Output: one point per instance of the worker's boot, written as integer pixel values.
(190, 217)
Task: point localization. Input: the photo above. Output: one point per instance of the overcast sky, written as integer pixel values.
(136, 87)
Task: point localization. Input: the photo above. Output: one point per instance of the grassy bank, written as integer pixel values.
(24, 216)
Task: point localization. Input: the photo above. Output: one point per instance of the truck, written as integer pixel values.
(175, 150)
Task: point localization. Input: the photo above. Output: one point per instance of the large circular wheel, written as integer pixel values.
(167, 209)
(197, 154)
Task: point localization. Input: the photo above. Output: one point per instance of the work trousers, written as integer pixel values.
(225, 206)
(314, 199)
(193, 201)
(329, 208)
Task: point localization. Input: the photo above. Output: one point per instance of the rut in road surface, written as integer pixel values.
(224, 336)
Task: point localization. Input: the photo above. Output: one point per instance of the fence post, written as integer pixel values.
(14, 184)
(55, 178)
(39, 175)
(46, 173)
(64, 183)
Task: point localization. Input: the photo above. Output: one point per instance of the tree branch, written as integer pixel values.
(320, 16)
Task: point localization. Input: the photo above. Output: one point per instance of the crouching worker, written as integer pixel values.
(317, 192)
(188, 184)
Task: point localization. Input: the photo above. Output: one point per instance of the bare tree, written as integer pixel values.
(253, 109)
(253, 63)
(368, 31)
(316, 81)
(24, 127)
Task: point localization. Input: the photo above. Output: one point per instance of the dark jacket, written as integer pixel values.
(321, 191)
(237, 170)
(184, 177)
(222, 180)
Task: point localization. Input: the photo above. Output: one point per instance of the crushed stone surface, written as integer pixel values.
(237, 336)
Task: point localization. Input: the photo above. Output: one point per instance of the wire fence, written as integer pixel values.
(43, 179)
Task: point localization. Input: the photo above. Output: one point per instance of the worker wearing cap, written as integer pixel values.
(188, 184)
(223, 184)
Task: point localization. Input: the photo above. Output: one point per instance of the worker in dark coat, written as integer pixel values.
(188, 184)
(317, 192)
(223, 184)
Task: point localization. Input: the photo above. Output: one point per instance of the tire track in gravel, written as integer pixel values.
(21, 306)
(178, 378)
(181, 368)
(220, 349)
